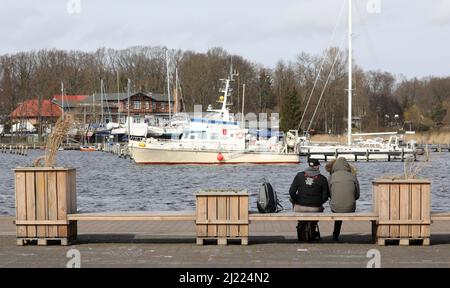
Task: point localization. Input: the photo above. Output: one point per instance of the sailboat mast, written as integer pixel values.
(175, 94)
(62, 98)
(350, 72)
(128, 109)
(101, 96)
(118, 98)
(168, 82)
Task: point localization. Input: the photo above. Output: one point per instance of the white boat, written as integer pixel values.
(372, 149)
(215, 138)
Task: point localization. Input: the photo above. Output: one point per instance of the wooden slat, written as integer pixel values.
(404, 222)
(234, 215)
(405, 209)
(440, 216)
(201, 215)
(425, 213)
(221, 216)
(228, 212)
(73, 201)
(212, 215)
(314, 217)
(21, 202)
(61, 186)
(400, 181)
(383, 209)
(416, 200)
(394, 203)
(52, 203)
(243, 215)
(138, 216)
(31, 201)
(42, 169)
(73, 192)
(222, 223)
(42, 222)
(41, 202)
(227, 193)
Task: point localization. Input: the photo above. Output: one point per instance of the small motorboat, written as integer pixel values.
(88, 148)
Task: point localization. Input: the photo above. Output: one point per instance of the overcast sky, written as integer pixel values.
(410, 37)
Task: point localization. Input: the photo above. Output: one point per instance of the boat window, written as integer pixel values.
(214, 136)
(192, 137)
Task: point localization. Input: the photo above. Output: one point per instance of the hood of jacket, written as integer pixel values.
(341, 165)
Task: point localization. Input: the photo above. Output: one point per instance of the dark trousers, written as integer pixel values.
(337, 228)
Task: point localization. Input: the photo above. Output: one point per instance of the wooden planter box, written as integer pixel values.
(44, 197)
(403, 207)
(222, 215)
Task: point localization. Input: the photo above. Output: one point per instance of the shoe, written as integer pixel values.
(335, 238)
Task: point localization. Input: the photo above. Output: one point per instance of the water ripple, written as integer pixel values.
(108, 183)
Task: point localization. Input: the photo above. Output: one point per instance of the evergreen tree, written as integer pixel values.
(290, 109)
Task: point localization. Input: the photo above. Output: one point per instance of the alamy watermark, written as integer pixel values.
(375, 258)
(73, 6)
(75, 258)
(374, 6)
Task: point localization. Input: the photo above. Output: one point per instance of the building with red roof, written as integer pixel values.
(30, 110)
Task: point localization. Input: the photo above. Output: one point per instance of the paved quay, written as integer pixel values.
(172, 244)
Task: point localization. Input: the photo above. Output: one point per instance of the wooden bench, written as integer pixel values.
(313, 217)
(292, 216)
(134, 216)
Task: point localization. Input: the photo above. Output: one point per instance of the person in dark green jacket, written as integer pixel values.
(344, 191)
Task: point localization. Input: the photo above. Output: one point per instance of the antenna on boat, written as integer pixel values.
(350, 68)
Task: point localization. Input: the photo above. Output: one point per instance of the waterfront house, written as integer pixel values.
(31, 111)
(115, 106)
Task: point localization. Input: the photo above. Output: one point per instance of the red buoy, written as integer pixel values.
(220, 157)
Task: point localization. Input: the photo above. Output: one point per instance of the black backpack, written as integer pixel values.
(308, 231)
(267, 199)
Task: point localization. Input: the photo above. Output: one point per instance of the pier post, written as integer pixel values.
(403, 154)
(367, 155)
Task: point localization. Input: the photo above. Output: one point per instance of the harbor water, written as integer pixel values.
(108, 183)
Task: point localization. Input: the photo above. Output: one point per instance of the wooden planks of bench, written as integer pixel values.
(191, 216)
(313, 217)
(438, 216)
(135, 216)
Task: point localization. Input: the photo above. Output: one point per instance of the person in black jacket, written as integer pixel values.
(309, 190)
